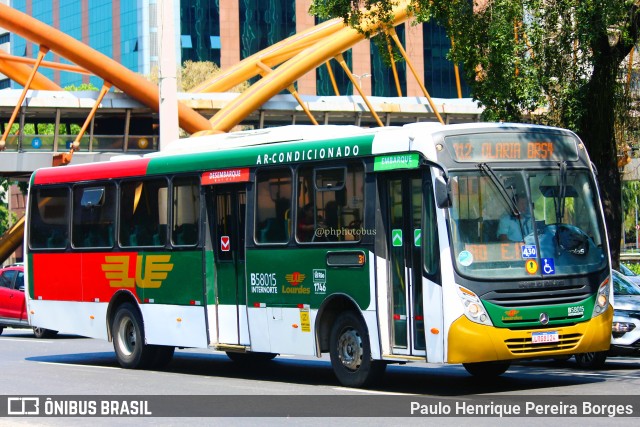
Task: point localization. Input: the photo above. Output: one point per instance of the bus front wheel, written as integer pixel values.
(128, 339)
(350, 352)
(592, 360)
(487, 369)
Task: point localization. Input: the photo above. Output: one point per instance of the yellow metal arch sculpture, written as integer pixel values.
(296, 56)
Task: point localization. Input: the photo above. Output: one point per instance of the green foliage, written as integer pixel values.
(7, 218)
(355, 11)
(81, 87)
(630, 201)
(633, 267)
(519, 55)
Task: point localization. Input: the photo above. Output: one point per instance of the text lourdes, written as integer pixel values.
(311, 154)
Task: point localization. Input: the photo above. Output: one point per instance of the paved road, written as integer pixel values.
(70, 365)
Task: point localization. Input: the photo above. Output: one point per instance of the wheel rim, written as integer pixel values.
(38, 331)
(350, 349)
(127, 337)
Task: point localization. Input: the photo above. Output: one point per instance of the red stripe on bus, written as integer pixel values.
(80, 277)
(102, 170)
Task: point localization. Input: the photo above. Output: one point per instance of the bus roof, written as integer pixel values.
(270, 146)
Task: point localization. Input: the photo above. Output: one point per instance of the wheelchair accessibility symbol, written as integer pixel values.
(548, 266)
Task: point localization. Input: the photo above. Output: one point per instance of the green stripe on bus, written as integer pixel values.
(266, 154)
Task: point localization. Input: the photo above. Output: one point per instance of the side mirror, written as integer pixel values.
(442, 193)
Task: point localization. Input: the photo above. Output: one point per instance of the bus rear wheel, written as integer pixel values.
(487, 369)
(128, 339)
(350, 352)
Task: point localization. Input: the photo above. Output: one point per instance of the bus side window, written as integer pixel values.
(273, 202)
(143, 213)
(330, 203)
(49, 225)
(186, 211)
(93, 216)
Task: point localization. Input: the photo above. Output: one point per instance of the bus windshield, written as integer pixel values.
(525, 224)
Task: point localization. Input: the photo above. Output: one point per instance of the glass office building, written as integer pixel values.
(225, 32)
(118, 29)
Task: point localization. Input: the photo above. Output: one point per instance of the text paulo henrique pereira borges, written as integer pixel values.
(521, 409)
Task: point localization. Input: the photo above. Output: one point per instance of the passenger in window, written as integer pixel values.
(306, 223)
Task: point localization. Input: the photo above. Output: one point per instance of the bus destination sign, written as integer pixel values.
(506, 147)
(225, 176)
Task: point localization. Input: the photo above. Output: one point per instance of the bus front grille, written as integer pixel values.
(524, 346)
(540, 296)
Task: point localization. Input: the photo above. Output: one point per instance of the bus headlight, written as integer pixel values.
(602, 299)
(473, 308)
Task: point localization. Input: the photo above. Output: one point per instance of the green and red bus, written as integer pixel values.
(376, 246)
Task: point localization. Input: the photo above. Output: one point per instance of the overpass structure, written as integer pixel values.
(123, 125)
(277, 67)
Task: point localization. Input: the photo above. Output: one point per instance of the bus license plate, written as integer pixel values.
(551, 336)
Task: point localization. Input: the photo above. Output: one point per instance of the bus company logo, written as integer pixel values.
(295, 278)
(151, 270)
(512, 315)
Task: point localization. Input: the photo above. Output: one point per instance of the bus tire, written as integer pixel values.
(591, 360)
(1, 329)
(251, 357)
(350, 352)
(128, 339)
(43, 333)
(487, 369)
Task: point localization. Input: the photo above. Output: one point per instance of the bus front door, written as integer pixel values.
(228, 325)
(402, 194)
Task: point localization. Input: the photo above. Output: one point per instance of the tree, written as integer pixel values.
(192, 73)
(630, 199)
(7, 218)
(561, 59)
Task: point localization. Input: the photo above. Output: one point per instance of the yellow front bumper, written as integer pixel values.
(471, 342)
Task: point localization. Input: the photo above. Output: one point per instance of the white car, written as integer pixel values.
(625, 331)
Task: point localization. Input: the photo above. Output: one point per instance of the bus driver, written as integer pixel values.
(509, 228)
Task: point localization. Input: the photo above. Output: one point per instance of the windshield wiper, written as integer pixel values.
(501, 189)
(560, 205)
(562, 190)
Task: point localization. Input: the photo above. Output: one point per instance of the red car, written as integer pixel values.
(13, 310)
